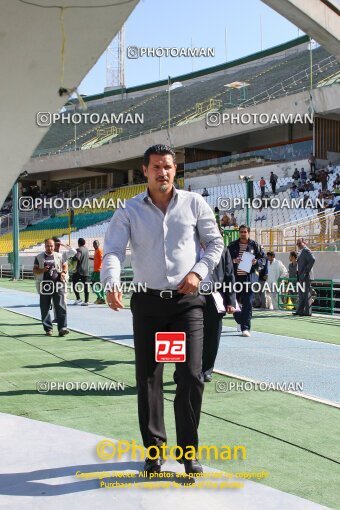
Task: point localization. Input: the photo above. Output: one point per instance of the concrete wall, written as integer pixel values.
(327, 264)
(315, 18)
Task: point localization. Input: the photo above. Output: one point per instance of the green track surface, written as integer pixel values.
(277, 429)
(322, 329)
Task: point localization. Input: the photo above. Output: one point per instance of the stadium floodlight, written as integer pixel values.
(176, 85)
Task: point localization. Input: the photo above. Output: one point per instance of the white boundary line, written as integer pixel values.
(228, 374)
(284, 336)
(305, 395)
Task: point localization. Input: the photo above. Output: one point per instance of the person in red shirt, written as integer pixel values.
(95, 277)
(262, 186)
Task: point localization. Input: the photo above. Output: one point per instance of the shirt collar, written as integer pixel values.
(146, 195)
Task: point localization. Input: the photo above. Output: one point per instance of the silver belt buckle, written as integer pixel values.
(163, 292)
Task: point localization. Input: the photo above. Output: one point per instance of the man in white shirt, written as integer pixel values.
(276, 270)
(165, 227)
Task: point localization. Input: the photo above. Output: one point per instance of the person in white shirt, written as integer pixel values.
(65, 255)
(276, 270)
(294, 193)
(330, 168)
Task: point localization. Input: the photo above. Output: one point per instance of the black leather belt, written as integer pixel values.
(164, 294)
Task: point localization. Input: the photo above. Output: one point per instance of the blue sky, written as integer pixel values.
(182, 23)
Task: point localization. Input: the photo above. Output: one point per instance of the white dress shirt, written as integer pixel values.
(164, 247)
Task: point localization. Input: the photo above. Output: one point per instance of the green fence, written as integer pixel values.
(230, 235)
(322, 295)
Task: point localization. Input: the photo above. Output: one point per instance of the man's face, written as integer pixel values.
(292, 259)
(95, 245)
(160, 172)
(56, 247)
(270, 258)
(244, 235)
(300, 244)
(49, 247)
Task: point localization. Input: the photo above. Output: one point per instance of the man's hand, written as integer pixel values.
(254, 261)
(189, 284)
(237, 260)
(63, 277)
(114, 300)
(230, 309)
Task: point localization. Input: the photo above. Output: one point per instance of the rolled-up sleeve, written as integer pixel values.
(210, 237)
(115, 242)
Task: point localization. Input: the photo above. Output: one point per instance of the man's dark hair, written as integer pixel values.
(81, 241)
(293, 254)
(244, 226)
(56, 239)
(271, 254)
(162, 150)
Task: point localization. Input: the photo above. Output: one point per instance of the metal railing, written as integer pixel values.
(319, 231)
(322, 295)
(6, 271)
(282, 89)
(83, 191)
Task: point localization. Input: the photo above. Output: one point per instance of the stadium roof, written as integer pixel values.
(32, 59)
(202, 72)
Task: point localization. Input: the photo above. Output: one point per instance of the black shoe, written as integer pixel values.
(207, 377)
(152, 466)
(63, 332)
(192, 467)
(295, 313)
(55, 321)
(180, 459)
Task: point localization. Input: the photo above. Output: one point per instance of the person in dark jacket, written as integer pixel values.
(81, 274)
(305, 263)
(212, 318)
(245, 295)
(273, 181)
(260, 298)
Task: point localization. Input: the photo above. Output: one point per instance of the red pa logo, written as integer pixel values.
(170, 347)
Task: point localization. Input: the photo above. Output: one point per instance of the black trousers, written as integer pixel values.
(245, 299)
(304, 305)
(152, 314)
(76, 277)
(212, 335)
(59, 302)
(273, 184)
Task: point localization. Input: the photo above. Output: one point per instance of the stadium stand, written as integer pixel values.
(263, 81)
(92, 225)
